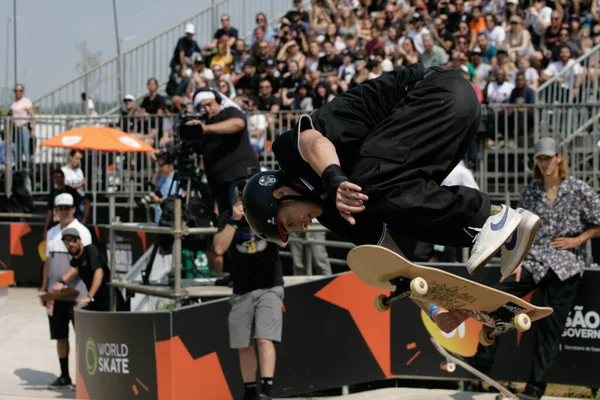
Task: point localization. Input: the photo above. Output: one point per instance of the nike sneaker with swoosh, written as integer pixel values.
(491, 236)
(517, 246)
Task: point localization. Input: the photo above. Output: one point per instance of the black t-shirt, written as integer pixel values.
(255, 262)
(231, 32)
(152, 106)
(188, 46)
(347, 122)
(87, 264)
(248, 84)
(291, 84)
(266, 104)
(327, 66)
(228, 156)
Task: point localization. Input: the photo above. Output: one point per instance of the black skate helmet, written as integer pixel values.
(261, 207)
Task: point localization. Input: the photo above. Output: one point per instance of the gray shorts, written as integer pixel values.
(255, 315)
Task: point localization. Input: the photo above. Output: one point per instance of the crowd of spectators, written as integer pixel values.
(505, 48)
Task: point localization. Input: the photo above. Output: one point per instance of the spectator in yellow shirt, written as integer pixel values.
(223, 57)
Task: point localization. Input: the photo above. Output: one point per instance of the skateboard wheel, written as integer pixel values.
(451, 367)
(418, 286)
(522, 322)
(484, 338)
(381, 303)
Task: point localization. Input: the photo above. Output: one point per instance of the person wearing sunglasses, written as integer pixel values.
(89, 266)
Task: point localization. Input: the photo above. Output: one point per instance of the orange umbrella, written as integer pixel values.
(99, 138)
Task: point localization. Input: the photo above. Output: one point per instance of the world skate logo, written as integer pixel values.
(110, 358)
(267, 180)
(582, 324)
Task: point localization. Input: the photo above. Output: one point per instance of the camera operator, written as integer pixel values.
(257, 298)
(226, 150)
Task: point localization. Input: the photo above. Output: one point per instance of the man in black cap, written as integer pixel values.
(88, 265)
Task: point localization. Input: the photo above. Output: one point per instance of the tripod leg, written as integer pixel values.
(148, 270)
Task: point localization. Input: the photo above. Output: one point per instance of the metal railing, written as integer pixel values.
(504, 163)
(569, 102)
(151, 59)
(502, 156)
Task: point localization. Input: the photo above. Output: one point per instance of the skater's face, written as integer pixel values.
(295, 215)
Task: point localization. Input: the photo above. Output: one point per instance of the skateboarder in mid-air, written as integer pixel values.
(369, 165)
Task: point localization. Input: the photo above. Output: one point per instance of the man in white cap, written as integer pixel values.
(186, 47)
(60, 312)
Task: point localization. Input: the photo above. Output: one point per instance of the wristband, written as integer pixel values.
(61, 281)
(332, 177)
(431, 311)
(233, 222)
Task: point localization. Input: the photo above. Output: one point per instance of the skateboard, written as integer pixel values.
(500, 312)
(57, 296)
(453, 360)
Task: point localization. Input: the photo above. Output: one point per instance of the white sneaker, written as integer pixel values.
(491, 236)
(517, 246)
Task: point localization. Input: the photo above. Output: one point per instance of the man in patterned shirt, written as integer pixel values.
(570, 213)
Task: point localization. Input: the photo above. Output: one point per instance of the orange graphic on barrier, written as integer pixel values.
(136, 391)
(17, 231)
(177, 373)
(413, 358)
(348, 292)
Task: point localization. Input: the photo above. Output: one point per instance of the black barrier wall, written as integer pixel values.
(333, 336)
(23, 249)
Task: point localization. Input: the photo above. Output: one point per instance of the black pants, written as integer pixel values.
(557, 294)
(404, 160)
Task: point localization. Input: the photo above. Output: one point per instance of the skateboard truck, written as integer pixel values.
(404, 289)
(520, 322)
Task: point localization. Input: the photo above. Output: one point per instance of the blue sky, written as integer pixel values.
(49, 30)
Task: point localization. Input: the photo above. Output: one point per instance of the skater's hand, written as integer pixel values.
(448, 321)
(349, 200)
(516, 273)
(562, 243)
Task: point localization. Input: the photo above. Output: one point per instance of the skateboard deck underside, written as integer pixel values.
(463, 364)
(376, 266)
